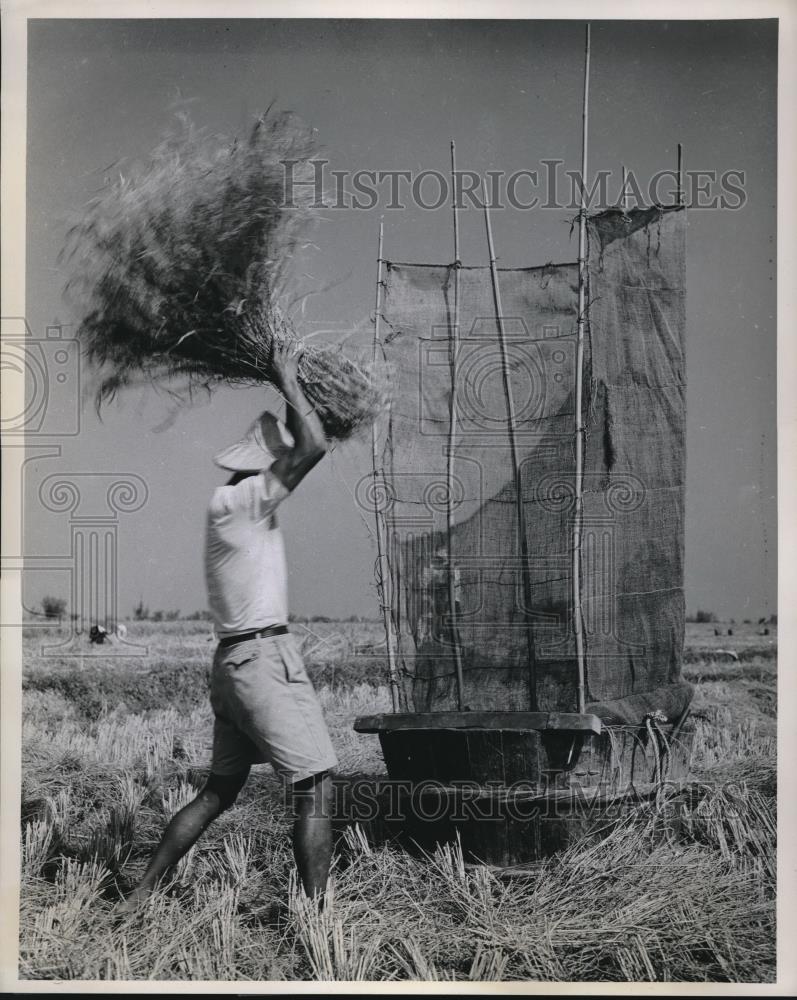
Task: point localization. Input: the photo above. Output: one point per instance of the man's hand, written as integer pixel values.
(308, 435)
(285, 360)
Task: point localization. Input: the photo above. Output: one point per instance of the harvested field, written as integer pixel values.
(681, 891)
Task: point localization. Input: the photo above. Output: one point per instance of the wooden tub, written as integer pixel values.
(516, 786)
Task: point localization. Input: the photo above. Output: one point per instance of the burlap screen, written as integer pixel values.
(632, 544)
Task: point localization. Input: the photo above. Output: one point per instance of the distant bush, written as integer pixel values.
(199, 616)
(54, 607)
(157, 616)
(705, 616)
(172, 616)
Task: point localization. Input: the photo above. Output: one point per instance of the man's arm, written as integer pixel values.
(310, 444)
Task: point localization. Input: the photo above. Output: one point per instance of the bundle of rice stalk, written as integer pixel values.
(180, 272)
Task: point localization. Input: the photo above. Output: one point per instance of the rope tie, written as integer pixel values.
(661, 750)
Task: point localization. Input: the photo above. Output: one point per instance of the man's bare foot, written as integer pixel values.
(132, 903)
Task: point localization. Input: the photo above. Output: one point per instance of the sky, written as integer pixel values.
(389, 95)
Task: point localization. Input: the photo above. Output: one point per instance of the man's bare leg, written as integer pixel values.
(183, 831)
(312, 832)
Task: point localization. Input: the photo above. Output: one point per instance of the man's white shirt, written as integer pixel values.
(245, 565)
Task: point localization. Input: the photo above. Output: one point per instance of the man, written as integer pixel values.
(98, 635)
(264, 704)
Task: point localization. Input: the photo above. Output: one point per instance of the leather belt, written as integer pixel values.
(263, 633)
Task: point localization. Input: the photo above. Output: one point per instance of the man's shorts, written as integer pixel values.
(266, 711)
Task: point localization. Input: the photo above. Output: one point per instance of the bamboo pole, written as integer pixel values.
(578, 515)
(383, 565)
(453, 351)
(680, 174)
(521, 513)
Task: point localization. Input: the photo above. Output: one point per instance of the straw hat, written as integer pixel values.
(263, 443)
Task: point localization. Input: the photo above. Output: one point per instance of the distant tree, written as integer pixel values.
(198, 616)
(773, 619)
(172, 616)
(705, 616)
(747, 622)
(140, 613)
(157, 616)
(54, 607)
